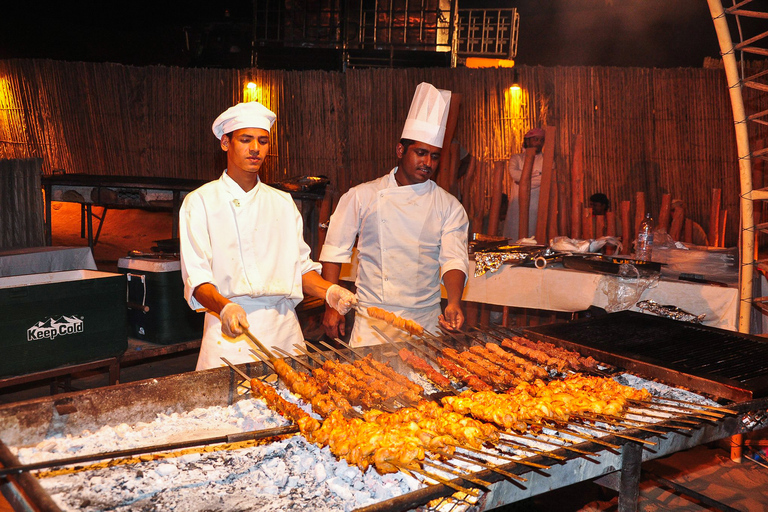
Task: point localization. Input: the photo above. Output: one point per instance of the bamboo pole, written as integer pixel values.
(599, 226)
(688, 231)
(497, 180)
(443, 170)
(626, 227)
(577, 185)
(678, 219)
(554, 210)
(453, 180)
(639, 209)
(664, 212)
(544, 208)
(610, 223)
(586, 224)
(745, 172)
(714, 218)
(721, 233)
(524, 191)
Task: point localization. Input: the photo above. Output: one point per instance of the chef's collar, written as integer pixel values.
(418, 187)
(236, 190)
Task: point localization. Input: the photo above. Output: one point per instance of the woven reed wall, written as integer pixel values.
(21, 204)
(651, 130)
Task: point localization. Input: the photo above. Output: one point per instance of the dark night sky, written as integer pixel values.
(645, 33)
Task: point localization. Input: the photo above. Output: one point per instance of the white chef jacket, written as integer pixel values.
(512, 220)
(249, 245)
(408, 238)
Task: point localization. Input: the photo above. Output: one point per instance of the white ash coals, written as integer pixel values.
(660, 390)
(290, 474)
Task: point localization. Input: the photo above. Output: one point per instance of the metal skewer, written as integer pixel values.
(564, 443)
(694, 404)
(687, 410)
(524, 448)
(502, 456)
(438, 479)
(264, 349)
(465, 476)
(495, 469)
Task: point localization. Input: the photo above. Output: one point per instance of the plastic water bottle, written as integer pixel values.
(644, 242)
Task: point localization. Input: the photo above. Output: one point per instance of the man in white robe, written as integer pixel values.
(243, 255)
(411, 235)
(534, 138)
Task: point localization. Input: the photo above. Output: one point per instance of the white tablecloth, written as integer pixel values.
(37, 260)
(559, 289)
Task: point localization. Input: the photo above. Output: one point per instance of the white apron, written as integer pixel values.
(272, 325)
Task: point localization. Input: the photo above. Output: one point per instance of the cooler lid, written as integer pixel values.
(150, 264)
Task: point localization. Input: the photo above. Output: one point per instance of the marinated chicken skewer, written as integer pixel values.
(401, 323)
(322, 398)
(420, 365)
(395, 390)
(561, 365)
(335, 376)
(386, 369)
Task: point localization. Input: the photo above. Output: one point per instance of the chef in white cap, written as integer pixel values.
(243, 256)
(533, 138)
(411, 234)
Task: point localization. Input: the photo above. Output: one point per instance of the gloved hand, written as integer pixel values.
(234, 320)
(340, 299)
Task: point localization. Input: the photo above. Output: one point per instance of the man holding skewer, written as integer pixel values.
(243, 255)
(411, 234)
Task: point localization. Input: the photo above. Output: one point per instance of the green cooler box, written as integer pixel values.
(60, 318)
(157, 311)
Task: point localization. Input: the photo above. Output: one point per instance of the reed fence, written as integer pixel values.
(657, 131)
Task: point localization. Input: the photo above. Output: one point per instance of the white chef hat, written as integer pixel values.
(251, 114)
(428, 115)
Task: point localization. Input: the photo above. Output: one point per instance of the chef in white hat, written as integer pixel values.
(243, 256)
(412, 235)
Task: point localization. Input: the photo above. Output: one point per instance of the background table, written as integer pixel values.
(560, 289)
(37, 260)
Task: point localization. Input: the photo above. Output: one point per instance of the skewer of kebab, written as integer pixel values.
(378, 389)
(335, 375)
(396, 321)
(322, 398)
(419, 365)
(523, 368)
(386, 369)
(395, 390)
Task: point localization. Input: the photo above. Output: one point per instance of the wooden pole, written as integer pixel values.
(666, 202)
(548, 163)
(326, 206)
(577, 185)
(586, 224)
(497, 178)
(688, 231)
(610, 223)
(599, 225)
(714, 218)
(678, 220)
(554, 210)
(524, 191)
(721, 233)
(443, 169)
(639, 210)
(453, 181)
(740, 125)
(626, 227)
(563, 208)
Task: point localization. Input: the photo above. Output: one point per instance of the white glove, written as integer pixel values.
(234, 320)
(340, 299)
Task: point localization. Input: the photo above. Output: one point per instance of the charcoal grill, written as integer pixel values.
(29, 422)
(721, 363)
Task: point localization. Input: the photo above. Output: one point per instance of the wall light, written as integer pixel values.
(515, 82)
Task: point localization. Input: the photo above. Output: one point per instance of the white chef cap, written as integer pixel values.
(251, 114)
(428, 115)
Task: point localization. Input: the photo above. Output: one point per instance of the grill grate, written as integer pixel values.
(715, 361)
